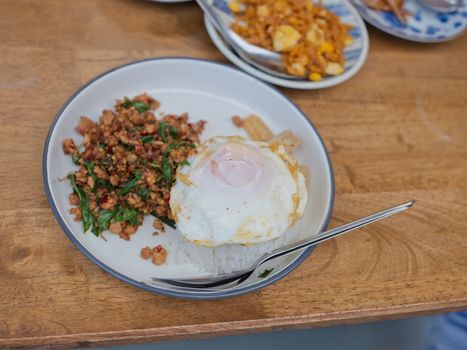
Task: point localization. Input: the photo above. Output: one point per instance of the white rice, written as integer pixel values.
(227, 258)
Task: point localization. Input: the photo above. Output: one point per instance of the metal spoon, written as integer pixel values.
(222, 282)
(265, 60)
(444, 6)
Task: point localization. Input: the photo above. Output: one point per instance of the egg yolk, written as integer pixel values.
(237, 166)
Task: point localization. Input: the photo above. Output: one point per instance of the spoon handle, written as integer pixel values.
(324, 236)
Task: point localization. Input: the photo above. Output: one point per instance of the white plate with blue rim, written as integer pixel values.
(205, 90)
(355, 54)
(422, 25)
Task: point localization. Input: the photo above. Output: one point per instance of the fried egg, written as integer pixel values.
(237, 191)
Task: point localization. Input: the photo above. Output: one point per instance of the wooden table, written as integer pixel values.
(396, 131)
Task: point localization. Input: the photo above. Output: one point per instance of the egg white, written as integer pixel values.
(209, 213)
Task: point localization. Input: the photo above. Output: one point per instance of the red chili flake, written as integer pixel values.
(139, 148)
(103, 199)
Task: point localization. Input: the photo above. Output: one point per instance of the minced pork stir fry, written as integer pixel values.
(127, 163)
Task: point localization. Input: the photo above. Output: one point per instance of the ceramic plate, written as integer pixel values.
(355, 54)
(424, 25)
(206, 90)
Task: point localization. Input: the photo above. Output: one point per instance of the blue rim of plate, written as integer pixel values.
(364, 12)
(152, 288)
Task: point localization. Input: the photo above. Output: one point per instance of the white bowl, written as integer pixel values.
(355, 54)
(206, 90)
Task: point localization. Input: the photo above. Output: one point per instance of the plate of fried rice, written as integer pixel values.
(324, 43)
(179, 167)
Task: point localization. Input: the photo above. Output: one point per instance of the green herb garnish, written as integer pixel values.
(75, 157)
(127, 103)
(144, 193)
(90, 167)
(104, 219)
(96, 231)
(139, 106)
(167, 168)
(129, 214)
(86, 213)
(166, 221)
(162, 131)
(185, 162)
(130, 184)
(147, 139)
(265, 273)
(104, 184)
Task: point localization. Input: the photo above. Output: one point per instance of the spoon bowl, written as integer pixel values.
(265, 60)
(444, 6)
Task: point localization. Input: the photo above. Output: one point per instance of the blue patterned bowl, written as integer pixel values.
(424, 25)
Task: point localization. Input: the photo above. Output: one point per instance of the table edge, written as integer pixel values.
(209, 330)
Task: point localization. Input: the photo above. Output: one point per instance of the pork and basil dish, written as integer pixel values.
(127, 163)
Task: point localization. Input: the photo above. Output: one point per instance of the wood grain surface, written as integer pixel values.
(396, 131)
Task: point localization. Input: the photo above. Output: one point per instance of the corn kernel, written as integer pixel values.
(326, 46)
(315, 76)
(234, 6)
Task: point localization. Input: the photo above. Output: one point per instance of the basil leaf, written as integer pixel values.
(126, 214)
(161, 130)
(90, 167)
(144, 193)
(185, 162)
(104, 184)
(166, 169)
(140, 106)
(265, 273)
(126, 103)
(167, 221)
(104, 219)
(86, 213)
(76, 189)
(95, 230)
(130, 184)
(75, 157)
(147, 139)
